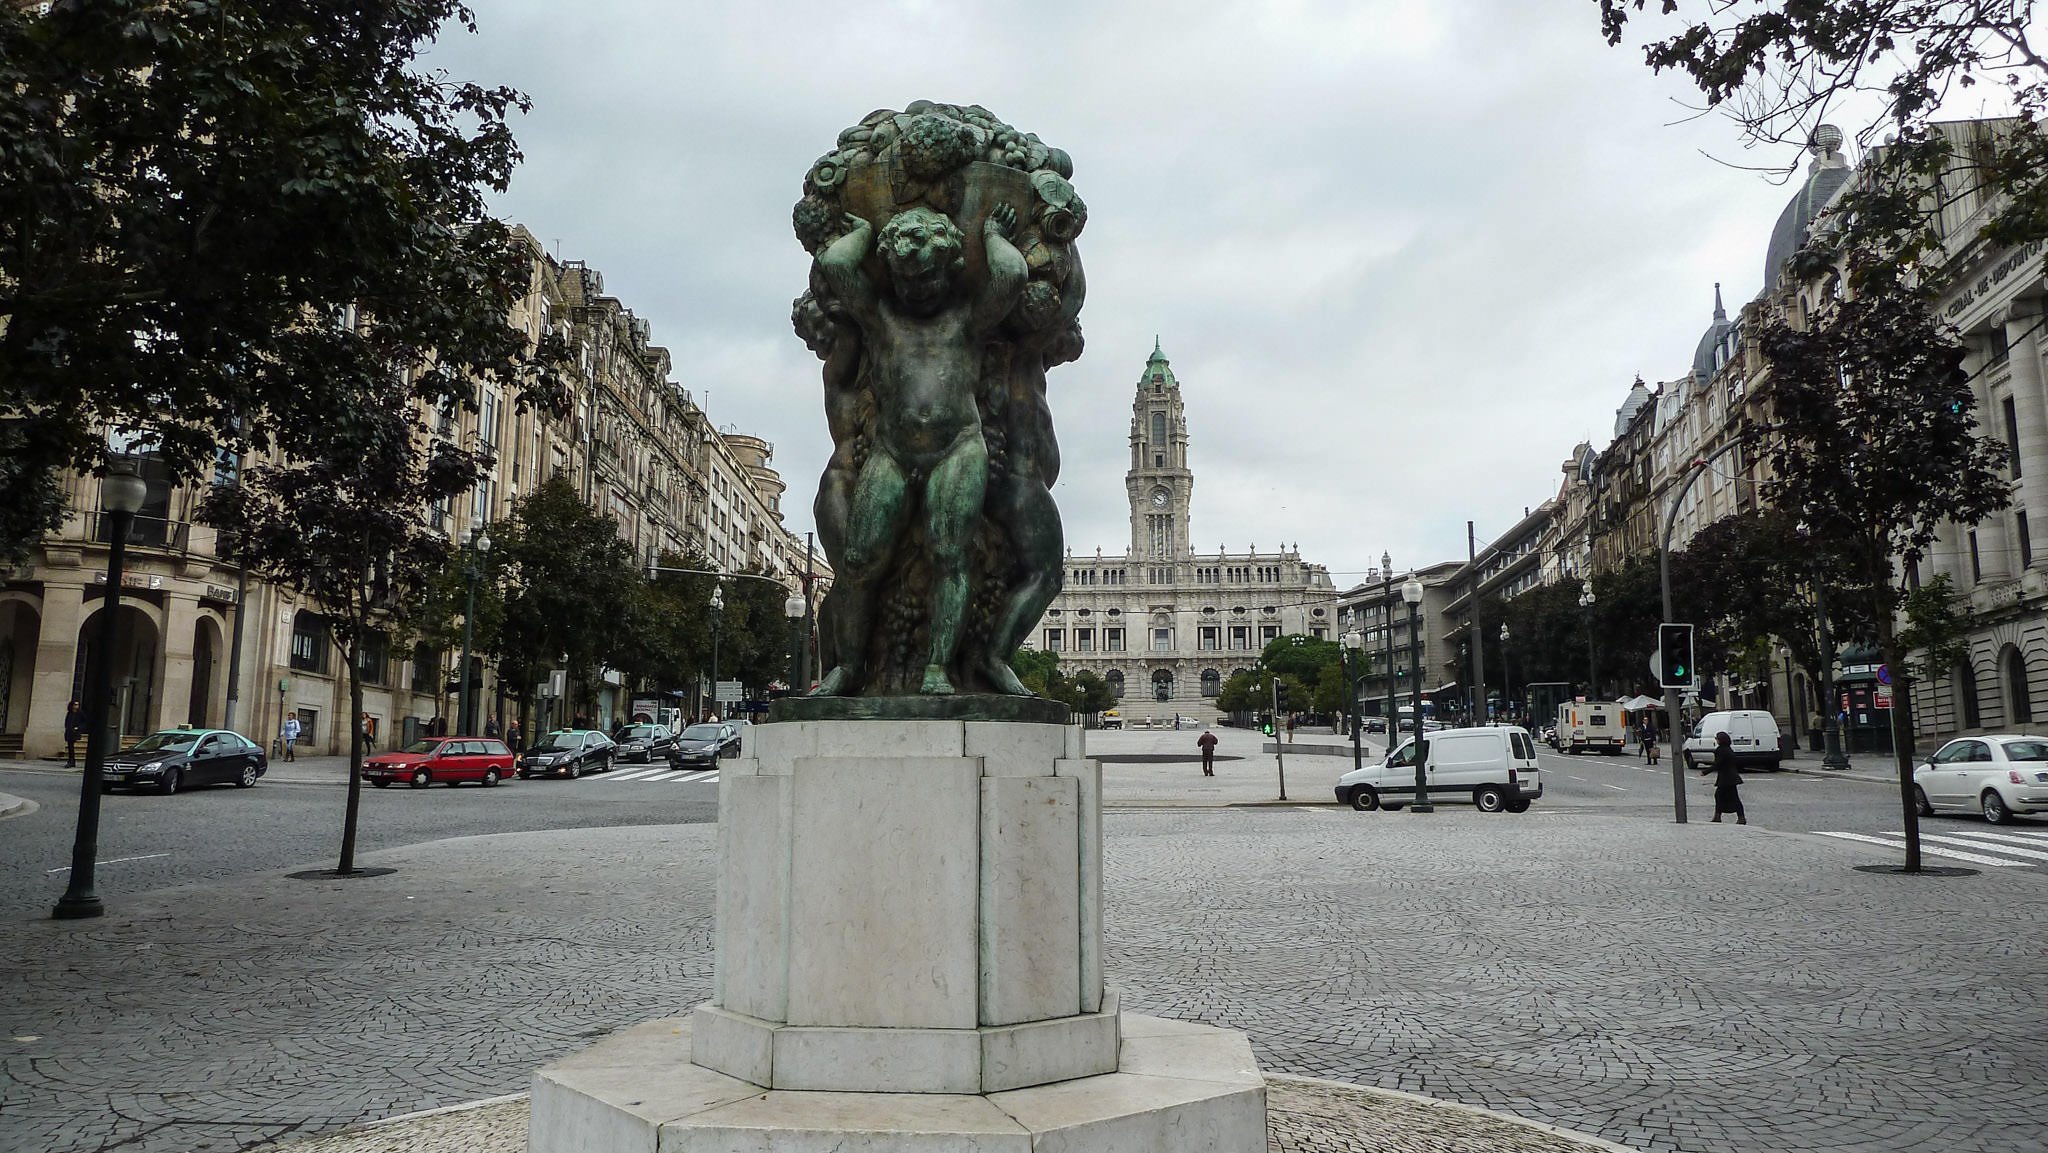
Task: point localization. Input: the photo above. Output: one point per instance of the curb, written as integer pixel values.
(1586, 1139)
(13, 806)
(1843, 775)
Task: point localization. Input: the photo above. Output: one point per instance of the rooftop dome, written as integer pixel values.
(1824, 177)
(1157, 370)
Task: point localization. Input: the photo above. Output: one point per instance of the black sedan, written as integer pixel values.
(704, 744)
(174, 758)
(567, 753)
(644, 743)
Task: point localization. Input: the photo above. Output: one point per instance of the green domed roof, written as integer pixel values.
(1157, 369)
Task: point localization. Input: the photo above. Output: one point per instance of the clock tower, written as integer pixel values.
(1159, 483)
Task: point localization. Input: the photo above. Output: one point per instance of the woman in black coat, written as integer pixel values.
(1727, 782)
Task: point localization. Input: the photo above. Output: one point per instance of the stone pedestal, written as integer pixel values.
(909, 948)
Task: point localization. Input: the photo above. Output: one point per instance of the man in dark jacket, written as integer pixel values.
(74, 729)
(1208, 747)
(1727, 782)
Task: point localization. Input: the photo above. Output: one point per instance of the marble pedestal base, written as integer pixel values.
(1179, 1088)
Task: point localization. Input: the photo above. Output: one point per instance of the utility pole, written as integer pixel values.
(1473, 630)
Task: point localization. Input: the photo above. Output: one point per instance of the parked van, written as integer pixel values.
(1494, 768)
(1752, 733)
(1591, 727)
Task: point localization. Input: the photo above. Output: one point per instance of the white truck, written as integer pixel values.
(1494, 768)
(1591, 727)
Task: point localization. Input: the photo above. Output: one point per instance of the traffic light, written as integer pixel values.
(1674, 657)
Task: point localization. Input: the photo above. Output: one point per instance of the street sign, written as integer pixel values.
(729, 693)
(1884, 674)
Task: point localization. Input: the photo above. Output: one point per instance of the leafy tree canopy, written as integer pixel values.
(194, 193)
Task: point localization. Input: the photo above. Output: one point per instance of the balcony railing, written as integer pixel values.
(143, 532)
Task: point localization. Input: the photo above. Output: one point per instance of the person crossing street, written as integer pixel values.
(1208, 746)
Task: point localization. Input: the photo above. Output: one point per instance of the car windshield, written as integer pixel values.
(638, 733)
(564, 740)
(2026, 750)
(701, 733)
(172, 742)
(422, 746)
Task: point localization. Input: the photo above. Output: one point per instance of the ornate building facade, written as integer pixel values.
(1163, 624)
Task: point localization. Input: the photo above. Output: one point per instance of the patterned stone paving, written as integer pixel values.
(1705, 988)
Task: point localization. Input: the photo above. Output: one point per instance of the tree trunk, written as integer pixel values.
(355, 754)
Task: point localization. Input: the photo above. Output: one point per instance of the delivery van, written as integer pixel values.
(1752, 734)
(1493, 768)
(1591, 727)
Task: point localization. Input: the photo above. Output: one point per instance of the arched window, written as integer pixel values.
(1158, 428)
(1115, 677)
(1965, 676)
(1162, 685)
(2018, 697)
(1212, 683)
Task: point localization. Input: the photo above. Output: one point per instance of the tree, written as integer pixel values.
(1085, 693)
(575, 594)
(1299, 655)
(1938, 624)
(194, 192)
(1333, 689)
(1037, 668)
(342, 521)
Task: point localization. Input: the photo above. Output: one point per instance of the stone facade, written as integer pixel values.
(635, 443)
(1163, 624)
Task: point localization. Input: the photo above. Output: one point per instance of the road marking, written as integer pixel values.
(1973, 841)
(710, 778)
(634, 774)
(1575, 778)
(115, 861)
(1616, 788)
(1900, 845)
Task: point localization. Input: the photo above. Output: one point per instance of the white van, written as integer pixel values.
(1494, 768)
(1752, 733)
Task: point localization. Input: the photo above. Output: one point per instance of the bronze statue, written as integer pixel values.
(944, 284)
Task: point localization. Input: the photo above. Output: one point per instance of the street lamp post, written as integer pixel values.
(1387, 626)
(1592, 670)
(717, 623)
(1411, 593)
(793, 608)
(1507, 682)
(479, 546)
(1830, 727)
(121, 492)
(1354, 646)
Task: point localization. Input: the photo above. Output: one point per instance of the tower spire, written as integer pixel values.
(1720, 313)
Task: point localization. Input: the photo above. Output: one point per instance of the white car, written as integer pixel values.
(1494, 768)
(1999, 776)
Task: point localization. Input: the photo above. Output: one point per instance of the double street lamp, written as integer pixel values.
(122, 492)
(717, 625)
(1592, 670)
(1411, 593)
(1387, 627)
(478, 550)
(1354, 646)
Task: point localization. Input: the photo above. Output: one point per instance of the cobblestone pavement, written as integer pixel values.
(1693, 988)
(1302, 1116)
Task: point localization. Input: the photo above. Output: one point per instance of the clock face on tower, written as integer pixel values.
(1159, 498)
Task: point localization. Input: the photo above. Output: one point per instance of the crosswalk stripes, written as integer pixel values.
(2017, 848)
(658, 775)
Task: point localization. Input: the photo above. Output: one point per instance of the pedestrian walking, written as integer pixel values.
(1208, 747)
(74, 728)
(438, 727)
(1650, 742)
(1727, 781)
(290, 733)
(369, 733)
(1290, 728)
(512, 734)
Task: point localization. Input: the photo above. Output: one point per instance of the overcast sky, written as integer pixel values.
(1402, 255)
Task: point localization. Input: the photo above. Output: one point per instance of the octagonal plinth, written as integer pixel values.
(1179, 1087)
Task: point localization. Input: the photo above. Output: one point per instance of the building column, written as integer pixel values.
(174, 696)
(2030, 405)
(56, 656)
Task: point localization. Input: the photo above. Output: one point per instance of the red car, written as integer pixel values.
(453, 760)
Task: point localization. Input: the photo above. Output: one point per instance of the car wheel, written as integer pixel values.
(422, 778)
(1994, 808)
(248, 778)
(1920, 802)
(1365, 798)
(575, 769)
(380, 783)
(1489, 799)
(1518, 805)
(490, 778)
(170, 783)
(605, 765)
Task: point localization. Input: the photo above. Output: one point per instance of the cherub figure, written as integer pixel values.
(923, 346)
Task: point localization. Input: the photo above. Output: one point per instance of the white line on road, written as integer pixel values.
(115, 861)
(699, 779)
(634, 774)
(1616, 788)
(2016, 836)
(1973, 858)
(1972, 841)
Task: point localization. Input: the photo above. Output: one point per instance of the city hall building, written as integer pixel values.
(1163, 624)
